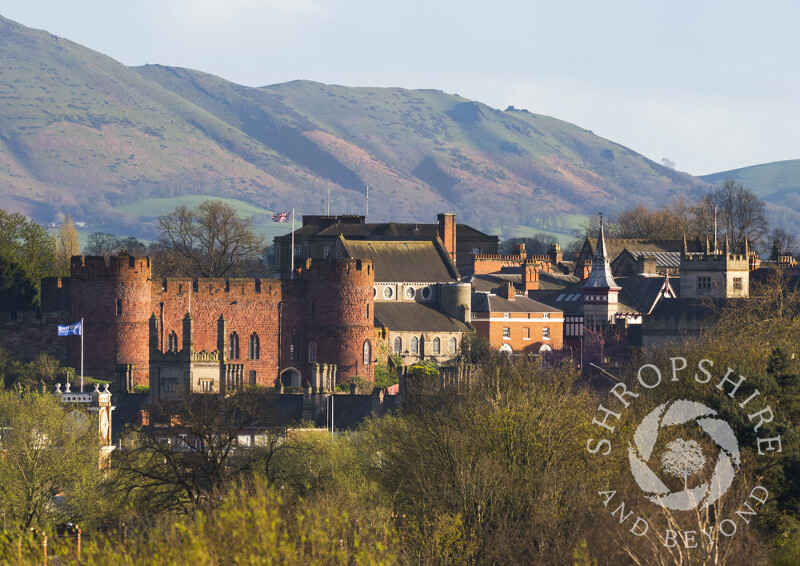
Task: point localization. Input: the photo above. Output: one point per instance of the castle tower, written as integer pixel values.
(600, 291)
(715, 274)
(328, 318)
(113, 298)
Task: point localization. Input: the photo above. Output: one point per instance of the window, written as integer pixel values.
(704, 283)
(253, 350)
(327, 252)
(233, 347)
(252, 377)
(169, 385)
(506, 333)
(367, 313)
(294, 348)
(477, 251)
(172, 342)
(244, 440)
(367, 353)
(437, 346)
(545, 333)
(737, 283)
(506, 315)
(206, 385)
(410, 293)
(453, 345)
(398, 346)
(426, 293)
(388, 292)
(546, 315)
(119, 307)
(415, 345)
(312, 351)
(526, 333)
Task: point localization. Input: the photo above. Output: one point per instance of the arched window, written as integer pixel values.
(414, 345)
(437, 346)
(294, 348)
(367, 353)
(312, 351)
(453, 346)
(253, 350)
(233, 347)
(172, 342)
(398, 346)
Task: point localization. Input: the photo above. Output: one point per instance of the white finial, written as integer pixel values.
(97, 388)
(58, 388)
(66, 388)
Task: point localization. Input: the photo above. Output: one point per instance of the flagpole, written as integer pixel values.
(292, 250)
(81, 355)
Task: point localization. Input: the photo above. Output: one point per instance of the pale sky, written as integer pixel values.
(712, 85)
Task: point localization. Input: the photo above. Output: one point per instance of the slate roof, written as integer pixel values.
(487, 283)
(389, 230)
(404, 261)
(663, 259)
(408, 316)
(637, 295)
(484, 302)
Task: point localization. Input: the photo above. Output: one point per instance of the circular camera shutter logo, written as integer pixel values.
(683, 458)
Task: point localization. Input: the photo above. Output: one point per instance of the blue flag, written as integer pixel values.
(70, 329)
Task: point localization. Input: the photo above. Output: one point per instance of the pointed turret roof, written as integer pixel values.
(600, 277)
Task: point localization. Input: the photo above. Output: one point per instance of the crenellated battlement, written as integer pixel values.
(122, 266)
(206, 287)
(355, 271)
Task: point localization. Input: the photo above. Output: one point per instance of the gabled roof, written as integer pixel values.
(485, 302)
(488, 282)
(637, 295)
(388, 230)
(404, 261)
(406, 316)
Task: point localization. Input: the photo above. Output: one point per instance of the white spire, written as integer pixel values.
(600, 277)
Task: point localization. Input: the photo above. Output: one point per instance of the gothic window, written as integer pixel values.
(233, 347)
(312, 351)
(398, 346)
(367, 353)
(414, 345)
(172, 342)
(294, 348)
(437, 346)
(453, 345)
(253, 350)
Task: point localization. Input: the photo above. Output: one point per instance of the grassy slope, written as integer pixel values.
(84, 135)
(777, 183)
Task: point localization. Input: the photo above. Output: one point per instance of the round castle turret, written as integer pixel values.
(113, 298)
(332, 305)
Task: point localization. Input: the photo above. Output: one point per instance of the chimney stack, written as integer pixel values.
(530, 278)
(555, 254)
(507, 291)
(446, 223)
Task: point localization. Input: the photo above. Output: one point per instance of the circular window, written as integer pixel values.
(374, 292)
(426, 293)
(410, 292)
(388, 292)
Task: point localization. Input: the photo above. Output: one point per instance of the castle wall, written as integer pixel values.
(25, 335)
(247, 305)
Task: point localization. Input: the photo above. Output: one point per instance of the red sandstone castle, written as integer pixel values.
(213, 335)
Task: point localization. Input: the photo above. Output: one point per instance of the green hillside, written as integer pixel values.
(83, 135)
(777, 183)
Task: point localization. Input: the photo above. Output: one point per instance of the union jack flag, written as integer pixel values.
(281, 216)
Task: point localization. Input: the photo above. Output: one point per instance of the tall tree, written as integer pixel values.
(47, 451)
(28, 244)
(213, 238)
(18, 290)
(68, 245)
(740, 215)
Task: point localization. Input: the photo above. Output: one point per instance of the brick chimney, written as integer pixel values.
(555, 254)
(507, 291)
(446, 223)
(519, 251)
(585, 269)
(530, 278)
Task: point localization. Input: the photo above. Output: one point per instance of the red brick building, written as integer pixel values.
(515, 323)
(252, 331)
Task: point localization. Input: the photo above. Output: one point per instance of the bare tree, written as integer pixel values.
(104, 244)
(215, 240)
(740, 214)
